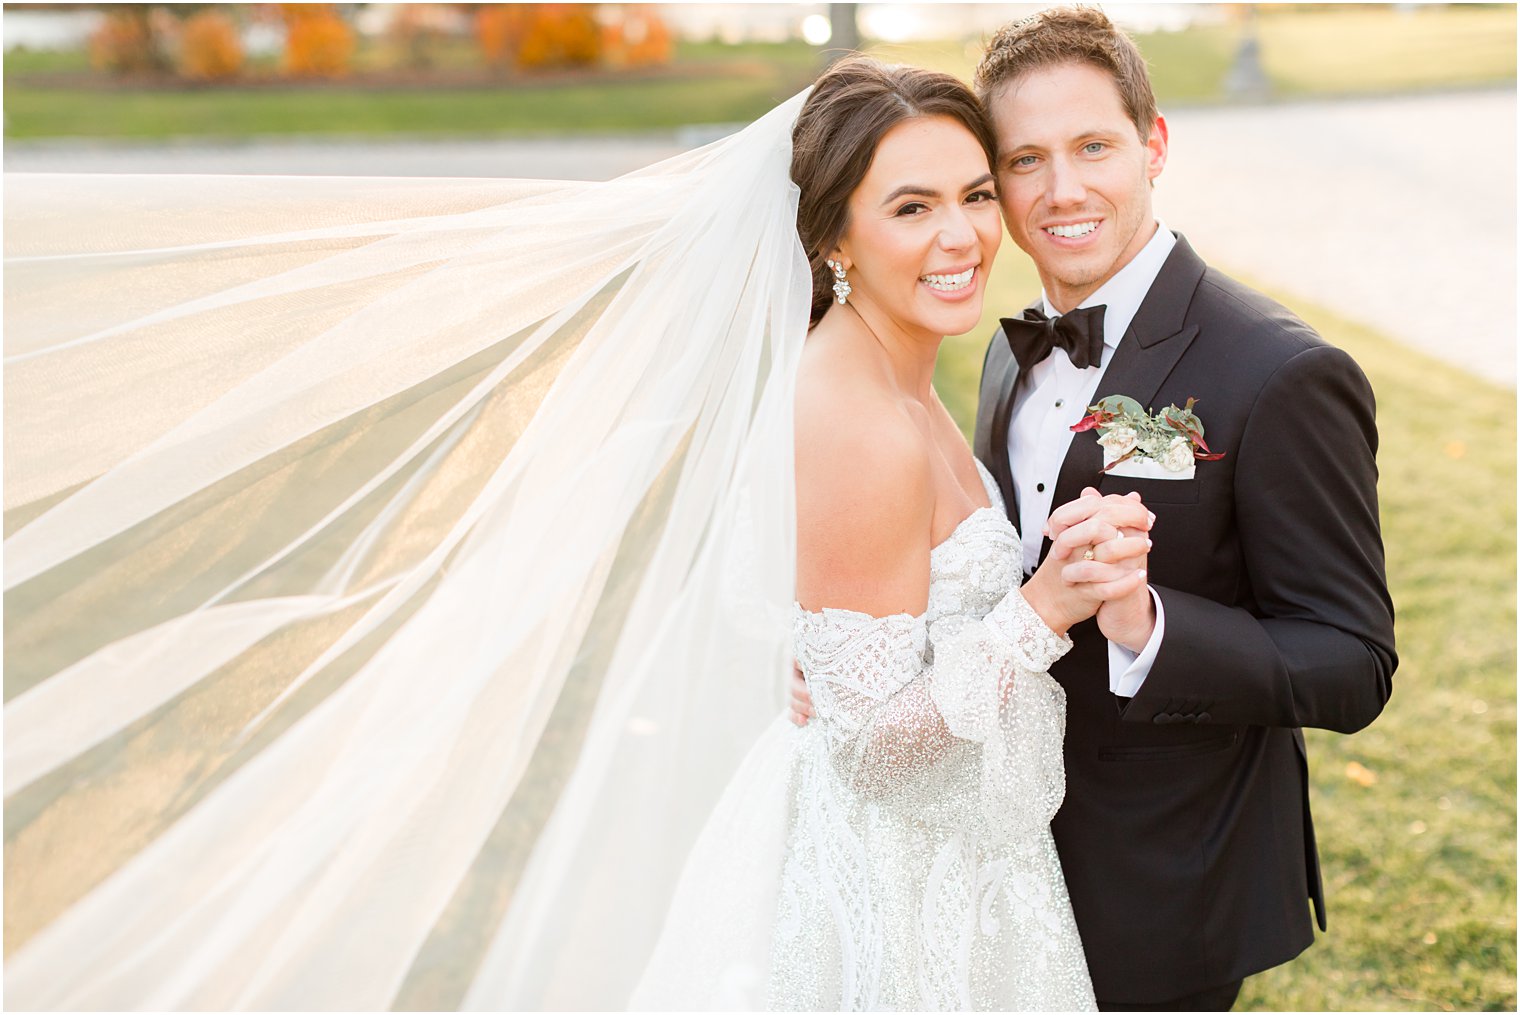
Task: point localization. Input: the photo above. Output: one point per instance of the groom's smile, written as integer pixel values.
(1074, 176)
(1076, 231)
(1075, 236)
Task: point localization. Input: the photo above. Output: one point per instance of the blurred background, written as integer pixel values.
(1356, 161)
(1291, 103)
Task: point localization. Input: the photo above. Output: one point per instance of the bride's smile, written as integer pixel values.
(923, 227)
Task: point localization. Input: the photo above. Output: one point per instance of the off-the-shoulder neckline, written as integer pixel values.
(959, 526)
(993, 495)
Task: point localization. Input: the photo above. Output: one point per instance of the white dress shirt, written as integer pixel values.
(1052, 395)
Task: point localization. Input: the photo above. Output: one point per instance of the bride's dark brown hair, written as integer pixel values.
(852, 106)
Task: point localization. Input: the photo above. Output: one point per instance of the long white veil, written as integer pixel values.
(396, 571)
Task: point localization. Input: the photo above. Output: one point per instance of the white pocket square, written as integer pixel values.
(1148, 468)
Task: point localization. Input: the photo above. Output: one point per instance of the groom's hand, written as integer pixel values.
(1130, 619)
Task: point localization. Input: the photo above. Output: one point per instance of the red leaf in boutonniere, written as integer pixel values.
(1092, 421)
(1192, 435)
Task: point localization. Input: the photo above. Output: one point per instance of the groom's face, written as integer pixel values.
(1074, 176)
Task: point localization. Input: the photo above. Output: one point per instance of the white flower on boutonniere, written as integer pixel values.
(1142, 445)
(1178, 456)
(1121, 440)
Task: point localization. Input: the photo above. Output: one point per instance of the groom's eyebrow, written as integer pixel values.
(919, 190)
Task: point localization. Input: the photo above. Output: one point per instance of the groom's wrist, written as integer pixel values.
(1133, 636)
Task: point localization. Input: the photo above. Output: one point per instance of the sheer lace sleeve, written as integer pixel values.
(897, 696)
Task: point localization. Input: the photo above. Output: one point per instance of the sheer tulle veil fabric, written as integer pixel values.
(396, 573)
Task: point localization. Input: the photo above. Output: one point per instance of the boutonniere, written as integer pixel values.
(1143, 445)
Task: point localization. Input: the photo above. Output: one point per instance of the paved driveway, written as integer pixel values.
(1398, 212)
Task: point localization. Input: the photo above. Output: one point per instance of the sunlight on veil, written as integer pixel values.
(396, 572)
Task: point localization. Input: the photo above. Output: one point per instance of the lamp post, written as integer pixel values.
(1246, 78)
(844, 32)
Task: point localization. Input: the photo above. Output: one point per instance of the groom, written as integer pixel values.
(1185, 835)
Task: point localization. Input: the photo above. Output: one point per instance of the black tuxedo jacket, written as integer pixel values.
(1185, 835)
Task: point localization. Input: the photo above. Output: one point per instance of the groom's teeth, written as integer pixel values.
(1072, 232)
(950, 283)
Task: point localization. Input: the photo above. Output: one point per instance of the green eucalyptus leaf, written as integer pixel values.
(1121, 405)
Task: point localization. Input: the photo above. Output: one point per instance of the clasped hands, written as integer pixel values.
(1099, 548)
(1097, 565)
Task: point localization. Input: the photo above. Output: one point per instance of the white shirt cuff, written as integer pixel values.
(1126, 670)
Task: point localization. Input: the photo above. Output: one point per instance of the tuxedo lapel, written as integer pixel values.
(1150, 349)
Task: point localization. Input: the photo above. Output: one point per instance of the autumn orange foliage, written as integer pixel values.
(318, 43)
(210, 49)
(533, 36)
(126, 42)
(499, 29)
(639, 38)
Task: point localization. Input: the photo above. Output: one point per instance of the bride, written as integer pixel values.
(918, 870)
(402, 576)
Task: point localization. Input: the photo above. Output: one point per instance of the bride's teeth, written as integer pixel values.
(949, 283)
(1072, 232)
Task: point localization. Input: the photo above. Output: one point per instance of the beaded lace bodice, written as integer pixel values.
(920, 872)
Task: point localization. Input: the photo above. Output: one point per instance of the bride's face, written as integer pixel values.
(923, 228)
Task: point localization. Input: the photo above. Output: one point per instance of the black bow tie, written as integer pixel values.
(1080, 333)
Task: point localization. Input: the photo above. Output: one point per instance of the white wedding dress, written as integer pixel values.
(917, 870)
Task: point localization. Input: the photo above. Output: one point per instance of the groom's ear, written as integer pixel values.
(1156, 148)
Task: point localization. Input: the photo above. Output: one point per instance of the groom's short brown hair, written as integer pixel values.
(1060, 35)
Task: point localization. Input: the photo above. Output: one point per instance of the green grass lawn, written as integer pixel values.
(341, 111)
(1419, 865)
(1305, 52)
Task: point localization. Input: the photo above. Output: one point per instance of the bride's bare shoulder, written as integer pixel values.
(865, 499)
(849, 415)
